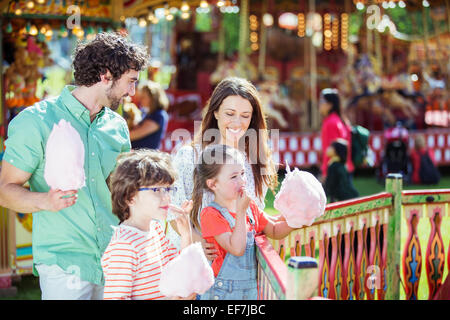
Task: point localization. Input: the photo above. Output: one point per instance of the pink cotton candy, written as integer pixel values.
(64, 158)
(301, 198)
(186, 274)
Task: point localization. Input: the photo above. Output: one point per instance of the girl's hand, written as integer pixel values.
(242, 202)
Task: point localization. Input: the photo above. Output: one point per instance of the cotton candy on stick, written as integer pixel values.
(64, 158)
(187, 273)
(301, 198)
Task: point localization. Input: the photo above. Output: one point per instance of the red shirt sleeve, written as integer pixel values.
(260, 218)
(213, 223)
(330, 132)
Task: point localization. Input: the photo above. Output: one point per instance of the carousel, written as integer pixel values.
(389, 60)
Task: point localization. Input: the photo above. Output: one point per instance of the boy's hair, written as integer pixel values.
(210, 163)
(107, 52)
(340, 147)
(137, 168)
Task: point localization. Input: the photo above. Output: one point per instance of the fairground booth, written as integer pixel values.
(388, 59)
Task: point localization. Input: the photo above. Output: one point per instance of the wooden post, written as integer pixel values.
(243, 33)
(117, 11)
(447, 5)
(263, 44)
(394, 184)
(221, 46)
(425, 33)
(378, 51)
(389, 39)
(313, 75)
(306, 121)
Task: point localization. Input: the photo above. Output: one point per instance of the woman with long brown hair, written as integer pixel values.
(234, 117)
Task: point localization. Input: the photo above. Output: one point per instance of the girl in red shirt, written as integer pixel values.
(230, 222)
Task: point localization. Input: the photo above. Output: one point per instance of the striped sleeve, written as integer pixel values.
(119, 265)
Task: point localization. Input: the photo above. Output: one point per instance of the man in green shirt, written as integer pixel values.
(71, 229)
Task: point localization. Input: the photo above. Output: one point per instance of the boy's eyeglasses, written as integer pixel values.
(160, 190)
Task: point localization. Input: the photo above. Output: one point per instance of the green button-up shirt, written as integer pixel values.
(75, 237)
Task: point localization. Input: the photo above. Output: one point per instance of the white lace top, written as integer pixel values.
(184, 164)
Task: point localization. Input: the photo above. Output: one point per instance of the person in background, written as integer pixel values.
(334, 126)
(338, 184)
(425, 170)
(151, 130)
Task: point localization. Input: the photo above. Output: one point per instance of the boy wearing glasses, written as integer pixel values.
(140, 191)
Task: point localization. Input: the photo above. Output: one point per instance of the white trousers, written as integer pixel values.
(56, 284)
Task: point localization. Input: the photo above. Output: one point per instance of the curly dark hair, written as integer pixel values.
(107, 52)
(135, 169)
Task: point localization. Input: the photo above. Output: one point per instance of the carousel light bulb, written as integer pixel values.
(425, 3)
(401, 4)
(18, 12)
(79, 32)
(43, 30)
(204, 4)
(267, 19)
(49, 33)
(391, 4)
(185, 15)
(414, 77)
(41, 1)
(385, 4)
(30, 5)
(33, 30)
(220, 3)
(142, 23)
(360, 6)
(169, 17)
(184, 6)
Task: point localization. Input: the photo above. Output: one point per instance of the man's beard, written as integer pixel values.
(114, 101)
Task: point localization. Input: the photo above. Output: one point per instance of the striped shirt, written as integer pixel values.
(133, 260)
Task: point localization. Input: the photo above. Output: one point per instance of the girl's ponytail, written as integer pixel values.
(197, 197)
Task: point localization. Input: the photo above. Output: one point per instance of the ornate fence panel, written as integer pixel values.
(349, 238)
(359, 246)
(422, 207)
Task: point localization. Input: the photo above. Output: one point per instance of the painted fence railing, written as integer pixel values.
(358, 246)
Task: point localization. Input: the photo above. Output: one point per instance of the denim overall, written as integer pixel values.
(237, 276)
